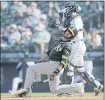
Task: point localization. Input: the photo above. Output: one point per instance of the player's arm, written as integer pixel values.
(65, 57)
(63, 64)
(45, 57)
(49, 51)
(64, 60)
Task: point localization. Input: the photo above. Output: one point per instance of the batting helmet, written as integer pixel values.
(71, 7)
(71, 31)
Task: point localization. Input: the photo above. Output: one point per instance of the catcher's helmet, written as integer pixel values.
(71, 7)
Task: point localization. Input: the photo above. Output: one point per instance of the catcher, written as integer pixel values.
(70, 19)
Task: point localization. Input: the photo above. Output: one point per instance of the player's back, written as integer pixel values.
(78, 25)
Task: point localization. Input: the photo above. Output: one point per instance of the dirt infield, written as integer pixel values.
(87, 96)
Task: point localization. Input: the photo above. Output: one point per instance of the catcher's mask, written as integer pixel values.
(71, 7)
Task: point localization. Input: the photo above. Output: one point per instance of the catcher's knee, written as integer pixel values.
(70, 71)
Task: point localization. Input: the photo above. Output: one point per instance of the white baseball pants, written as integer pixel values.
(76, 58)
(48, 68)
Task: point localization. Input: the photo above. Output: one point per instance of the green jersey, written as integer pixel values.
(60, 52)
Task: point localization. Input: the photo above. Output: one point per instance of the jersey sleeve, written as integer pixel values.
(65, 56)
(48, 52)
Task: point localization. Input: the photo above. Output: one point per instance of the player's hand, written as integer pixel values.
(52, 76)
(38, 61)
(55, 73)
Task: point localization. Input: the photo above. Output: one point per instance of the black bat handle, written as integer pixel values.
(36, 84)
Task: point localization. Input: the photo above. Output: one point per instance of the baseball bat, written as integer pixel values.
(35, 84)
(24, 91)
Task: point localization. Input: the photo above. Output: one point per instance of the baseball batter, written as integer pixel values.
(58, 60)
(72, 20)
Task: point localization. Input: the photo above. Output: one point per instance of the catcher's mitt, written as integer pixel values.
(53, 22)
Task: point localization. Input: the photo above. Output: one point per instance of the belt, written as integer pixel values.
(75, 66)
(77, 41)
(54, 60)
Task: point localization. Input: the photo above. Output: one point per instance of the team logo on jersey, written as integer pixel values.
(58, 48)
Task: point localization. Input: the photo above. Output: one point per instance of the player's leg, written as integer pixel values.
(78, 51)
(88, 65)
(88, 77)
(32, 71)
(70, 74)
(70, 88)
(20, 85)
(15, 84)
(41, 68)
(77, 61)
(38, 76)
(69, 79)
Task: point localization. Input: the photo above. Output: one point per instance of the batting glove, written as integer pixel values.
(55, 73)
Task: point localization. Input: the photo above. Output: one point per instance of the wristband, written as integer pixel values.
(56, 71)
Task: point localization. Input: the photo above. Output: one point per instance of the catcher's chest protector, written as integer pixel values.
(67, 21)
